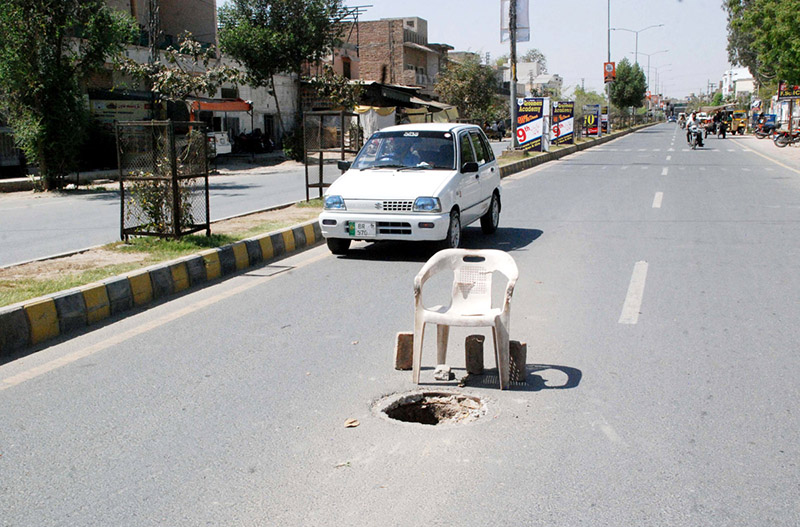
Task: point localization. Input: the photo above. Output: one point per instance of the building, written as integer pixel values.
(545, 85)
(396, 51)
(738, 82)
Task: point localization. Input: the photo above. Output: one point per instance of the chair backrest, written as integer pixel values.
(472, 276)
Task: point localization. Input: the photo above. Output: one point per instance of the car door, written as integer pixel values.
(488, 171)
(469, 187)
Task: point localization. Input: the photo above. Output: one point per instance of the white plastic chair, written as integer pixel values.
(470, 305)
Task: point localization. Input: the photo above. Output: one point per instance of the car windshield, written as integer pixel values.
(409, 149)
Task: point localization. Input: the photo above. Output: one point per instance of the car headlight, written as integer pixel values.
(334, 202)
(427, 205)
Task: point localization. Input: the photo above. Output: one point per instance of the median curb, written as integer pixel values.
(525, 164)
(32, 322)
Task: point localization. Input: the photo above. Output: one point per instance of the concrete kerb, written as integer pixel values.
(29, 323)
(525, 164)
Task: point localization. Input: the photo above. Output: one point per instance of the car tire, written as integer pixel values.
(491, 219)
(453, 239)
(338, 245)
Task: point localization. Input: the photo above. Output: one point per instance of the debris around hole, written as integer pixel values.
(351, 423)
(443, 373)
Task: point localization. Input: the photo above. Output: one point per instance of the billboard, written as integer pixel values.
(530, 122)
(591, 119)
(563, 122)
(787, 92)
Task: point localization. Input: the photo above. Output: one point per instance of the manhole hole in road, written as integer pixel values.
(432, 408)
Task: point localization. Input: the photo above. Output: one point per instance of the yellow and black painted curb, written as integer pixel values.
(525, 164)
(32, 322)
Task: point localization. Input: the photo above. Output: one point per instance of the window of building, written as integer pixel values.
(230, 93)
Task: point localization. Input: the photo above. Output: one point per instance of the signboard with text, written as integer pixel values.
(591, 119)
(788, 92)
(604, 119)
(530, 122)
(563, 123)
(609, 72)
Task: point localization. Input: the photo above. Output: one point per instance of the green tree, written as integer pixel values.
(534, 55)
(469, 86)
(272, 36)
(630, 87)
(763, 36)
(48, 48)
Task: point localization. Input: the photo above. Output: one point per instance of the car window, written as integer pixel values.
(487, 147)
(467, 154)
(423, 150)
(480, 148)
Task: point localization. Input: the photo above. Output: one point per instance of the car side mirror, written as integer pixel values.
(344, 166)
(469, 167)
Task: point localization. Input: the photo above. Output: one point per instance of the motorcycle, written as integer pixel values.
(764, 130)
(784, 139)
(696, 136)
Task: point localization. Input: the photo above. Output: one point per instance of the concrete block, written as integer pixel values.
(180, 276)
(161, 277)
(212, 263)
(15, 332)
(299, 234)
(227, 260)
(253, 251)
(278, 245)
(98, 306)
(141, 287)
(240, 257)
(404, 351)
(443, 373)
(317, 230)
(43, 319)
(267, 251)
(474, 354)
(71, 310)
(120, 296)
(519, 355)
(311, 236)
(196, 267)
(288, 241)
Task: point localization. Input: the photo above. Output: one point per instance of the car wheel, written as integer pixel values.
(338, 245)
(453, 239)
(491, 219)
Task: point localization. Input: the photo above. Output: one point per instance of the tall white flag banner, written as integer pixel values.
(523, 23)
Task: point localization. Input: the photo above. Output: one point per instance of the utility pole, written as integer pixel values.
(512, 27)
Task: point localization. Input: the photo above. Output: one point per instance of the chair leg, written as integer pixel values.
(501, 341)
(442, 336)
(419, 334)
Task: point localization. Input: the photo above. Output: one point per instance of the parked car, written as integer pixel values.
(417, 182)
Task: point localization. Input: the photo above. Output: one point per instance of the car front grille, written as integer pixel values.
(394, 227)
(397, 206)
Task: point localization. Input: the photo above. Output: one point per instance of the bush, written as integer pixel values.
(293, 144)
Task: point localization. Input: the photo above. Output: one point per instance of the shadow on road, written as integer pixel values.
(533, 381)
(505, 239)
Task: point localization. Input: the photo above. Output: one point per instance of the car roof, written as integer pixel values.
(429, 127)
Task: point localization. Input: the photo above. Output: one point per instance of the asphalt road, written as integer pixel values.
(657, 294)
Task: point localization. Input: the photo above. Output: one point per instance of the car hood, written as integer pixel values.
(389, 184)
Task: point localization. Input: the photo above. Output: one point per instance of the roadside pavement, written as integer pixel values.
(789, 155)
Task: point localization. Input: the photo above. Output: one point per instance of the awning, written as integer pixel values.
(431, 104)
(420, 47)
(221, 105)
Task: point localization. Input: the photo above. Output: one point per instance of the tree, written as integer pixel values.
(48, 48)
(272, 36)
(762, 36)
(630, 86)
(534, 55)
(470, 86)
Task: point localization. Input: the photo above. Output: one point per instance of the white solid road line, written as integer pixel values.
(657, 200)
(633, 300)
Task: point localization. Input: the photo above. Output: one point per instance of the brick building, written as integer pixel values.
(397, 51)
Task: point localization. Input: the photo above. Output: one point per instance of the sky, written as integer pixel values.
(572, 34)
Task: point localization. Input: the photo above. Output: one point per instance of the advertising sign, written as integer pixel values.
(609, 72)
(107, 111)
(563, 123)
(787, 92)
(523, 24)
(591, 119)
(530, 122)
(604, 119)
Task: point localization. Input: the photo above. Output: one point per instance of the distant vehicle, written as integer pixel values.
(416, 182)
(739, 122)
(672, 119)
(218, 143)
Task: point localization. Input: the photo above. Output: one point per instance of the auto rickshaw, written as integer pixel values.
(738, 122)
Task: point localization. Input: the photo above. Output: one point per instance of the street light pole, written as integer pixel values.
(648, 63)
(636, 33)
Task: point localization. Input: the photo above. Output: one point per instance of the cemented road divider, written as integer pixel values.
(32, 322)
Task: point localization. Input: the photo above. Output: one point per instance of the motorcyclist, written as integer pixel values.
(689, 122)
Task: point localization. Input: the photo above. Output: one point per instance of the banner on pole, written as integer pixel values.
(609, 72)
(523, 24)
(563, 123)
(530, 122)
(604, 119)
(787, 92)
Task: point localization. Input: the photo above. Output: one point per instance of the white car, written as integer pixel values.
(418, 182)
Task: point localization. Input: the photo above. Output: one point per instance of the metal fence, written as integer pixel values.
(163, 178)
(336, 134)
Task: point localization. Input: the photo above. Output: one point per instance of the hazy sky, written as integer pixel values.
(573, 35)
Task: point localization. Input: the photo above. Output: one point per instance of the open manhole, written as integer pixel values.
(433, 408)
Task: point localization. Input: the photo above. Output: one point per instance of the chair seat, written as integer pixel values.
(445, 315)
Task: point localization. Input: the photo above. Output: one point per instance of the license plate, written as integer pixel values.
(362, 229)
